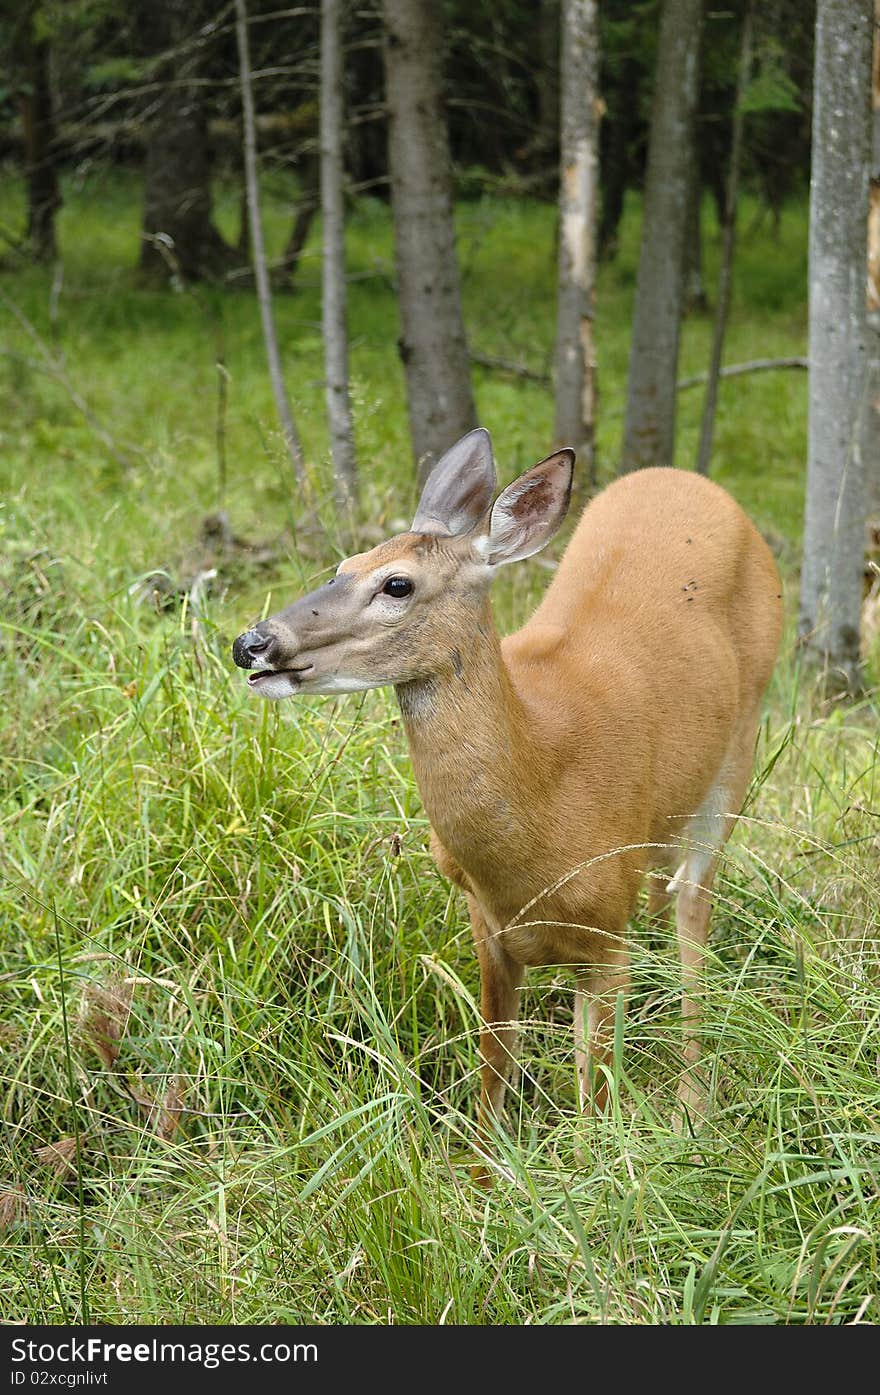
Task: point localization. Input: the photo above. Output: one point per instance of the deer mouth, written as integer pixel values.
(263, 677)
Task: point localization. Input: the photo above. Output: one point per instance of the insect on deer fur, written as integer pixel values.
(612, 735)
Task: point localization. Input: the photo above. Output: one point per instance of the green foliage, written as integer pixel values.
(770, 87)
(113, 72)
(270, 993)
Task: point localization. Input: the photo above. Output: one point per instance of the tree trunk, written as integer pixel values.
(578, 199)
(333, 301)
(649, 433)
(707, 426)
(243, 244)
(261, 274)
(309, 171)
(831, 579)
(433, 346)
(871, 415)
(618, 136)
(548, 94)
(38, 125)
(695, 298)
(178, 232)
(544, 75)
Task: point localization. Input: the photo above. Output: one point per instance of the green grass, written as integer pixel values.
(269, 1062)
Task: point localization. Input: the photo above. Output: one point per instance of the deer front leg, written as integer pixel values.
(500, 979)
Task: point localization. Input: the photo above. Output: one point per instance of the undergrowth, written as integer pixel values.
(238, 1020)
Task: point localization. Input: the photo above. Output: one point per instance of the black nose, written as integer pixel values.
(250, 647)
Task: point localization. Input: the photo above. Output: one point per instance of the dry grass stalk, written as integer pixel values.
(103, 1018)
(13, 1207)
(60, 1157)
(163, 1118)
(171, 1110)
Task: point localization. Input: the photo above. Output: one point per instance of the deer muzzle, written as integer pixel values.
(278, 652)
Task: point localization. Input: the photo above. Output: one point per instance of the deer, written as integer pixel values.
(609, 739)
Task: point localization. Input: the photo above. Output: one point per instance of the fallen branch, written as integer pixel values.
(738, 370)
(516, 370)
(733, 370)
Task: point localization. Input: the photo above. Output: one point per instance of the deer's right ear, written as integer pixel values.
(527, 513)
(459, 489)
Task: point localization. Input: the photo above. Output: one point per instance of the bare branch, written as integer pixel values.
(515, 370)
(264, 294)
(733, 370)
(737, 370)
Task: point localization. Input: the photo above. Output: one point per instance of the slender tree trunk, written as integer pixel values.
(178, 230)
(871, 415)
(831, 578)
(309, 169)
(333, 301)
(694, 286)
(725, 273)
(578, 209)
(617, 137)
(261, 275)
(38, 124)
(433, 346)
(649, 432)
(243, 245)
(548, 40)
(545, 81)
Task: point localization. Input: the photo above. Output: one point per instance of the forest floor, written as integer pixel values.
(238, 1028)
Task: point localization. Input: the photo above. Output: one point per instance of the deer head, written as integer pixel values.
(394, 614)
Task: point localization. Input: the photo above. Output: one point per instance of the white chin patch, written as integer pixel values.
(284, 685)
(338, 683)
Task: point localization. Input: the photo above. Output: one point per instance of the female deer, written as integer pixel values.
(613, 732)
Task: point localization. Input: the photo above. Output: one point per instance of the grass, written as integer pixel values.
(238, 1033)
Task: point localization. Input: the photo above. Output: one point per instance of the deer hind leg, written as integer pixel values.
(595, 1003)
(659, 895)
(692, 886)
(500, 980)
(663, 864)
(659, 898)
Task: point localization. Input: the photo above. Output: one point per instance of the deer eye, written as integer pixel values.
(398, 587)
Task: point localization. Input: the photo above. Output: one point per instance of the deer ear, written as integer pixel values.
(527, 513)
(459, 489)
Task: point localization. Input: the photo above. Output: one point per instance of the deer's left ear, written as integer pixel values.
(528, 512)
(459, 489)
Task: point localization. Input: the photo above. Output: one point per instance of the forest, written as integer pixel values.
(261, 268)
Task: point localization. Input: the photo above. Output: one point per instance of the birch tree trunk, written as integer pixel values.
(834, 543)
(261, 275)
(433, 346)
(707, 425)
(333, 297)
(575, 423)
(649, 430)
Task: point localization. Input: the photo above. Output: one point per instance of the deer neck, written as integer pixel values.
(472, 750)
